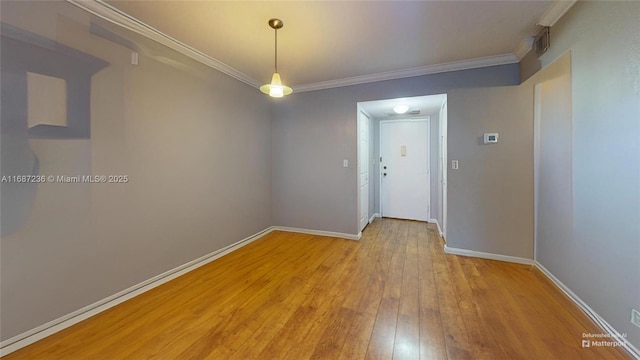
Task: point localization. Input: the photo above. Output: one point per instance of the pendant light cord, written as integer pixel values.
(276, 49)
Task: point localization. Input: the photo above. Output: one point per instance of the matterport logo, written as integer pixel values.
(602, 340)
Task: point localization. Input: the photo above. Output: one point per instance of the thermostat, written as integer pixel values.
(490, 138)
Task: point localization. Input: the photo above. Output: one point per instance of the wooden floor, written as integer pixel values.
(394, 294)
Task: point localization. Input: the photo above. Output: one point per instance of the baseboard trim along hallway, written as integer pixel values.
(615, 335)
(490, 256)
(435, 221)
(392, 294)
(29, 337)
(318, 232)
(586, 309)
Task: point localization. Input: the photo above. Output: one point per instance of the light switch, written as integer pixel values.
(403, 150)
(345, 163)
(454, 164)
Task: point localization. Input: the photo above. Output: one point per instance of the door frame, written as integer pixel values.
(537, 120)
(444, 165)
(358, 165)
(412, 119)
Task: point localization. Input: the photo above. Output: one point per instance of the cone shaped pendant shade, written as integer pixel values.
(276, 89)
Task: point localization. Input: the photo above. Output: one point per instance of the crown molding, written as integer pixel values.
(555, 12)
(405, 73)
(523, 48)
(120, 18)
(113, 15)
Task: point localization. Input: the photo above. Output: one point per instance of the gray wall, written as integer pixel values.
(601, 260)
(209, 167)
(314, 131)
(312, 135)
(554, 196)
(529, 65)
(195, 144)
(490, 196)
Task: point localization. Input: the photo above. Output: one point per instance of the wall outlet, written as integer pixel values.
(635, 317)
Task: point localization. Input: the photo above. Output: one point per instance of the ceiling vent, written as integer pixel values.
(408, 113)
(542, 41)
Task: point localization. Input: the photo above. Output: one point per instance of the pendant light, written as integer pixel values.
(276, 89)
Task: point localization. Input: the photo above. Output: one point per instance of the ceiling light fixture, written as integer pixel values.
(276, 89)
(400, 109)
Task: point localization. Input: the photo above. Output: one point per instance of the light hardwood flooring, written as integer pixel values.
(394, 294)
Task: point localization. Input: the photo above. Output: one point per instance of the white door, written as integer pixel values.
(404, 178)
(363, 165)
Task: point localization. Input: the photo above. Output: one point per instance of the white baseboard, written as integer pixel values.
(632, 350)
(435, 221)
(319, 232)
(373, 217)
(29, 337)
(484, 255)
(19, 341)
(589, 311)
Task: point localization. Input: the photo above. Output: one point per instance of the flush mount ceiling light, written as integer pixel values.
(276, 89)
(400, 109)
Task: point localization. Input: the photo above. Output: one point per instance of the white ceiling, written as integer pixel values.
(335, 40)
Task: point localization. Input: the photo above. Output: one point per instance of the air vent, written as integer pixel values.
(409, 113)
(542, 41)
